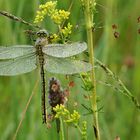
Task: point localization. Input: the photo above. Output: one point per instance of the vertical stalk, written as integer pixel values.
(89, 6)
(61, 129)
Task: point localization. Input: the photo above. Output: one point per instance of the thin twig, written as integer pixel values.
(25, 109)
(120, 83)
(13, 17)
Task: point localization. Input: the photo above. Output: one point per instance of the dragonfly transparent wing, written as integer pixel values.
(18, 65)
(64, 50)
(15, 51)
(66, 66)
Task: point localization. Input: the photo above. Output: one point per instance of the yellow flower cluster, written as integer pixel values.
(45, 9)
(74, 118)
(58, 16)
(66, 31)
(49, 8)
(61, 111)
(54, 38)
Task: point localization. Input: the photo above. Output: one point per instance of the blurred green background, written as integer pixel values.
(119, 117)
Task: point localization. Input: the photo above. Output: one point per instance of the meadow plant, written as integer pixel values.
(57, 97)
(89, 81)
(58, 17)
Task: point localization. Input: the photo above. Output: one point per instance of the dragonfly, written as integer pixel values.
(54, 58)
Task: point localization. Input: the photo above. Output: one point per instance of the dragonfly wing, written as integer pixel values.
(18, 65)
(64, 50)
(15, 51)
(66, 66)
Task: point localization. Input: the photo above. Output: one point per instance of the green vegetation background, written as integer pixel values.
(119, 116)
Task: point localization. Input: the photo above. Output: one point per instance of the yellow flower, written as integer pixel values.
(64, 14)
(54, 38)
(58, 16)
(44, 9)
(66, 31)
(73, 118)
(49, 8)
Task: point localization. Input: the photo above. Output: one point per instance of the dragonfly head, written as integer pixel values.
(42, 38)
(42, 33)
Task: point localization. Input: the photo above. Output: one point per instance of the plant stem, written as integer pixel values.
(61, 129)
(85, 137)
(123, 89)
(89, 6)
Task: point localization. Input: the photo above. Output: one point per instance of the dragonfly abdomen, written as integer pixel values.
(43, 96)
(42, 73)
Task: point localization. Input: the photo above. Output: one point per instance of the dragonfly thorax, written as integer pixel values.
(41, 42)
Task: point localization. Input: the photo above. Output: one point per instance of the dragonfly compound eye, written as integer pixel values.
(42, 33)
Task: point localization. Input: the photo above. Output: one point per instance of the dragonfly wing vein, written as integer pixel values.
(64, 50)
(66, 66)
(18, 65)
(15, 51)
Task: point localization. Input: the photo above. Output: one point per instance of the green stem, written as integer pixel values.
(61, 130)
(124, 90)
(77, 126)
(89, 6)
